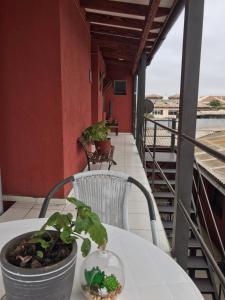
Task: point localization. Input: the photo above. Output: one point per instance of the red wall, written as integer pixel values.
(31, 132)
(76, 88)
(121, 105)
(97, 66)
(45, 93)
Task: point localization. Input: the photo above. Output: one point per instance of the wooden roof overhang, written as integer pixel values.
(125, 29)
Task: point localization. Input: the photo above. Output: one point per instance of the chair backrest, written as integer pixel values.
(105, 191)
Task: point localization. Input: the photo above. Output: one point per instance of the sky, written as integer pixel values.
(163, 75)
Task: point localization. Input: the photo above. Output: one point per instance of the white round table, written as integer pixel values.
(149, 272)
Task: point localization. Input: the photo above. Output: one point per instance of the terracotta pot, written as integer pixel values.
(46, 283)
(103, 147)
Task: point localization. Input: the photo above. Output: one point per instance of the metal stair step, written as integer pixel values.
(161, 182)
(170, 171)
(165, 195)
(166, 209)
(167, 225)
(194, 244)
(197, 263)
(204, 285)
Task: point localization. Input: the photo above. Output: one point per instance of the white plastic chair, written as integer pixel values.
(106, 192)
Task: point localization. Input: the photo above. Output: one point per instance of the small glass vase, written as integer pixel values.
(102, 276)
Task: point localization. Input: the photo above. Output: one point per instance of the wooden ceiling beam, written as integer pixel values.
(122, 7)
(120, 31)
(118, 54)
(115, 6)
(162, 12)
(98, 37)
(129, 42)
(112, 55)
(117, 62)
(119, 21)
(112, 44)
(121, 51)
(152, 12)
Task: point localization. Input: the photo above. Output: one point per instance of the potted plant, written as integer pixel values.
(102, 275)
(41, 265)
(98, 134)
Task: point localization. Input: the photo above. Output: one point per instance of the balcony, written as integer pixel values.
(69, 64)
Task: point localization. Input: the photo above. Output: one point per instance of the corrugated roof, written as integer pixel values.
(211, 164)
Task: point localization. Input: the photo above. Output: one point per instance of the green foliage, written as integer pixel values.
(111, 283)
(68, 230)
(40, 254)
(215, 103)
(97, 278)
(94, 277)
(97, 132)
(44, 244)
(86, 247)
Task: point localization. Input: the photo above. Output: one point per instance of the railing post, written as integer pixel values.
(187, 123)
(153, 156)
(140, 104)
(134, 105)
(174, 121)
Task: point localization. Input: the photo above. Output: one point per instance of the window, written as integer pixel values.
(120, 87)
(158, 112)
(172, 112)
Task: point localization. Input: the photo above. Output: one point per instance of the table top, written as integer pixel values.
(149, 272)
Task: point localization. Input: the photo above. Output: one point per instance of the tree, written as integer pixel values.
(215, 103)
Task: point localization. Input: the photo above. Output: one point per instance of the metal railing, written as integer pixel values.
(153, 132)
(203, 147)
(210, 258)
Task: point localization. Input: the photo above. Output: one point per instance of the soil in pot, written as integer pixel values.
(103, 147)
(29, 255)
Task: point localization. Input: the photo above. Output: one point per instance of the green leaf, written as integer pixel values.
(94, 277)
(94, 218)
(111, 283)
(70, 216)
(44, 244)
(82, 224)
(98, 234)
(86, 247)
(77, 203)
(40, 254)
(39, 233)
(52, 220)
(66, 235)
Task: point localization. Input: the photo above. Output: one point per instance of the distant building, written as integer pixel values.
(208, 99)
(168, 108)
(176, 97)
(154, 97)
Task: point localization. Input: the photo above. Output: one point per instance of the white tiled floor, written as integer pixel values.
(128, 161)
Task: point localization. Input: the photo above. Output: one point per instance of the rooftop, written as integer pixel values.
(215, 167)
